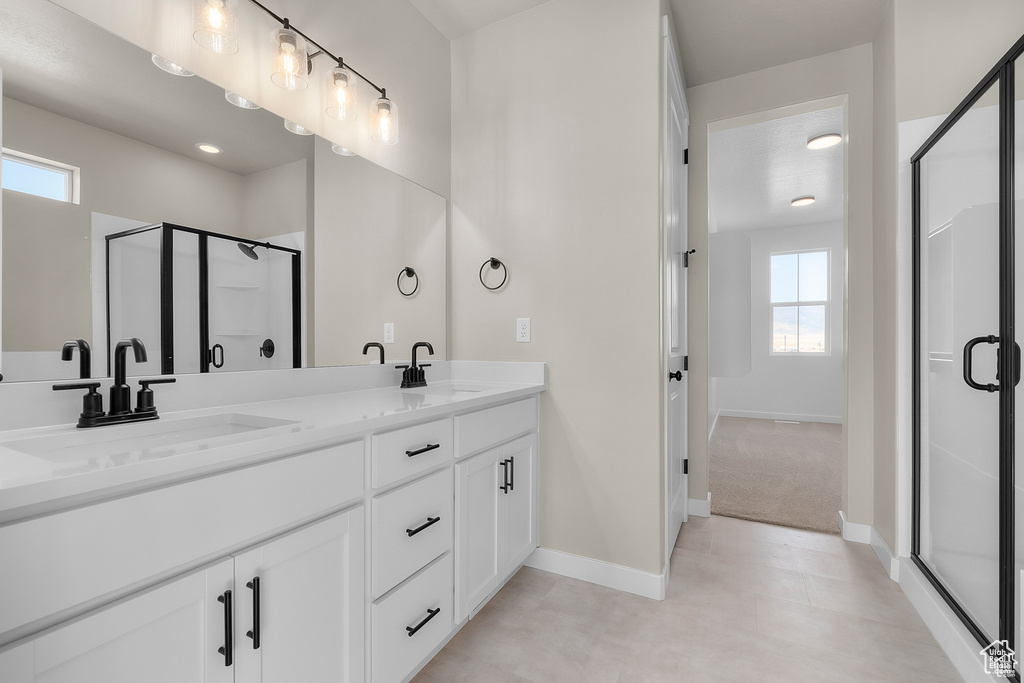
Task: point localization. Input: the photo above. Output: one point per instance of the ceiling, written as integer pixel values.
(54, 60)
(755, 171)
(454, 18)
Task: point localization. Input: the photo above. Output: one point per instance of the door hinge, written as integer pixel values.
(686, 257)
(686, 465)
(686, 156)
(686, 362)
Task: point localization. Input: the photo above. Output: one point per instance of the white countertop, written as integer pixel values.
(44, 469)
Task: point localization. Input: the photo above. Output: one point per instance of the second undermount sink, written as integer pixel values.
(141, 441)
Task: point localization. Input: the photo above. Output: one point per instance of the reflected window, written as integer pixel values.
(799, 302)
(39, 177)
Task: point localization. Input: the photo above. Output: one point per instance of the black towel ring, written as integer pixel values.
(494, 264)
(410, 273)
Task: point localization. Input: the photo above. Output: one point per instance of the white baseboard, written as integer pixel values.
(854, 531)
(698, 507)
(714, 423)
(832, 419)
(952, 636)
(890, 562)
(602, 573)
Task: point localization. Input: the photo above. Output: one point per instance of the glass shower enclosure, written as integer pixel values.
(202, 301)
(968, 511)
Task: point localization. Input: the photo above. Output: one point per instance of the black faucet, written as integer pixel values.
(84, 356)
(413, 375)
(377, 345)
(120, 392)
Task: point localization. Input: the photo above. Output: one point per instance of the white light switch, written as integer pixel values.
(389, 333)
(522, 329)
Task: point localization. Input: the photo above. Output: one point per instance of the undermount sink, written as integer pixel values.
(141, 441)
(441, 391)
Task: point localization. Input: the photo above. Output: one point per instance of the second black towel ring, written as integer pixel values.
(494, 264)
(410, 273)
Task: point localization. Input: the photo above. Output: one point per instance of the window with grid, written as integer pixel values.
(800, 303)
(38, 176)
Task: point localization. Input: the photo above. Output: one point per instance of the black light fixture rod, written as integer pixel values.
(286, 24)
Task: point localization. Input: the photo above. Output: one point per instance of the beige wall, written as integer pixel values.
(844, 72)
(47, 244)
(555, 170)
(387, 40)
(274, 200)
(885, 269)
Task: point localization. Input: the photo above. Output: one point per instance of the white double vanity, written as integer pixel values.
(296, 526)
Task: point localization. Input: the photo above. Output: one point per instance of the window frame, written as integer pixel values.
(69, 172)
(826, 303)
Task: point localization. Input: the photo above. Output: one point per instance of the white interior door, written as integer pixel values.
(674, 315)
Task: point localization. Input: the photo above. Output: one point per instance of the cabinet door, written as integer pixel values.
(310, 602)
(519, 504)
(477, 500)
(169, 634)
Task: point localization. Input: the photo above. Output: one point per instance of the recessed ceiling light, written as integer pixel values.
(296, 128)
(239, 101)
(170, 67)
(343, 151)
(803, 201)
(823, 141)
(208, 148)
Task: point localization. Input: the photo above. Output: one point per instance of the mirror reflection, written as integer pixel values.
(131, 147)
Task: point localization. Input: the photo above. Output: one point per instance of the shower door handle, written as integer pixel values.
(213, 356)
(968, 354)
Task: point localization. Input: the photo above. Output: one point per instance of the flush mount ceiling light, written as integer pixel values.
(170, 67)
(215, 26)
(216, 29)
(343, 151)
(803, 201)
(239, 101)
(824, 141)
(208, 148)
(293, 127)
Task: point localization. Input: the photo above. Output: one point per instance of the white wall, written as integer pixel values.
(555, 170)
(729, 308)
(805, 388)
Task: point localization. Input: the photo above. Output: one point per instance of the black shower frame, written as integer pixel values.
(167, 292)
(1001, 75)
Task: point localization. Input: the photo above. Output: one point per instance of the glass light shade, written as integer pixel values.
(170, 67)
(824, 141)
(296, 128)
(343, 151)
(342, 99)
(239, 101)
(803, 201)
(290, 60)
(384, 124)
(215, 26)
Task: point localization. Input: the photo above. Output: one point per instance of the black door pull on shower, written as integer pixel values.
(430, 522)
(968, 354)
(428, 447)
(677, 376)
(254, 585)
(228, 648)
(431, 613)
(213, 356)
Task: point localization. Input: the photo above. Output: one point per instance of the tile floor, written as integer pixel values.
(746, 602)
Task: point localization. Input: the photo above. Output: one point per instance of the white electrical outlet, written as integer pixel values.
(389, 333)
(522, 329)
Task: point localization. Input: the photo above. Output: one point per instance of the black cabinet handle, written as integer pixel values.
(428, 447)
(255, 632)
(512, 474)
(430, 521)
(228, 646)
(431, 613)
(504, 476)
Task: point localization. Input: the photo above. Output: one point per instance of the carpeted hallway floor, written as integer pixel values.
(777, 472)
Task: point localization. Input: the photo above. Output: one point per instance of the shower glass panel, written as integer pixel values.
(133, 296)
(185, 303)
(1018, 229)
(959, 308)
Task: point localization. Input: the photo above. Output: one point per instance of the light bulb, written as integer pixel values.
(290, 67)
(215, 26)
(385, 122)
(341, 94)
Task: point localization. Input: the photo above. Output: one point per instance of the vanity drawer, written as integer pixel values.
(397, 554)
(485, 428)
(395, 651)
(394, 454)
(74, 557)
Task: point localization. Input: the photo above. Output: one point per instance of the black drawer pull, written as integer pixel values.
(504, 477)
(430, 521)
(512, 474)
(255, 632)
(431, 613)
(428, 447)
(228, 646)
